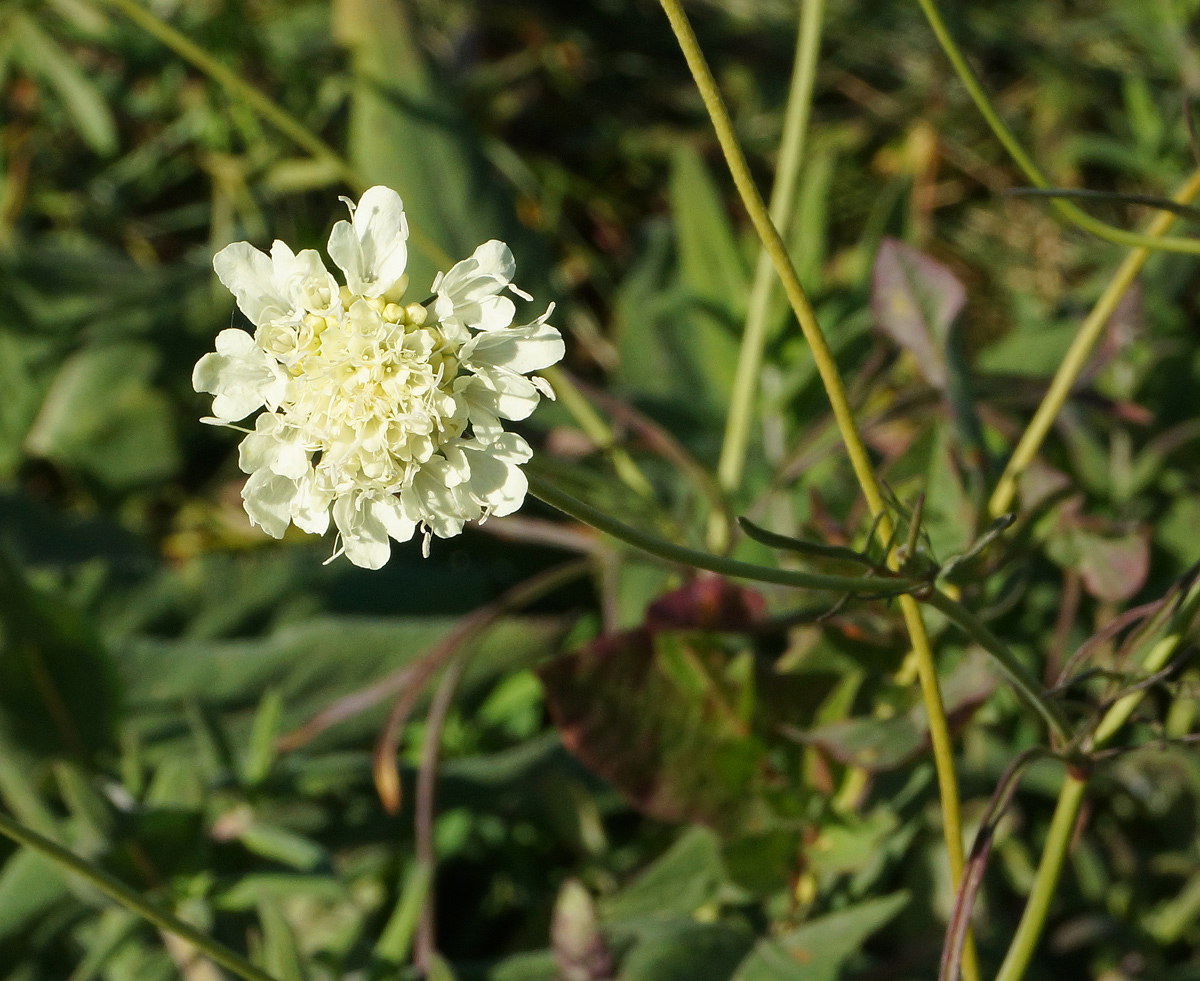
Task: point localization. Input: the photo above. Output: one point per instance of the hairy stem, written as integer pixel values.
(1077, 356)
(939, 730)
(132, 901)
(1066, 209)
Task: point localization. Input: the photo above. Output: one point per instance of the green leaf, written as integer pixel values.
(281, 845)
(916, 301)
(684, 950)
(280, 953)
(876, 744)
(658, 715)
(710, 262)
(260, 751)
(685, 877)
(404, 132)
(102, 416)
(42, 56)
(818, 950)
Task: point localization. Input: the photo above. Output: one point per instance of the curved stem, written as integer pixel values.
(1070, 800)
(269, 110)
(1066, 209)
(132, 901)
(228, 79)
(783, 196)
(1077, 356)
(939, 729)
(1025, 685)
(544, 491)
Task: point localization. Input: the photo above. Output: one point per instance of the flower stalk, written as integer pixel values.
(134, 902)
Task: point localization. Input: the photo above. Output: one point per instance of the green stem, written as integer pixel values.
(1077, 356)
(598, 431)
(783, 196)
(1066, 209)
(939, 729)
(1070, 800)
(1025, 685)
(229, 80)
(543, 490)
(132, 901)
(270, 111)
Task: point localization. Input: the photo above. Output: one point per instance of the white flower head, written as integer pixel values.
(386, 417)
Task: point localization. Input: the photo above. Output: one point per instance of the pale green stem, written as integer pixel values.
(939, 729)
(1066, 209)
(1070, 799)
(1077, 356)
(598, 431)
(783, 197)
(132, 901)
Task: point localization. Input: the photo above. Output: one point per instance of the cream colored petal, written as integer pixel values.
(364, 537)
(240, 374)
(268, 500)
(250, 276)
(372, 248)
(520, 349)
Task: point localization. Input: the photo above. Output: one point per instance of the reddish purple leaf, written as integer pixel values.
(915, 301)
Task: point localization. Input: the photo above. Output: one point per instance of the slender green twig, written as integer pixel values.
(939, 729)
(1077, 355)
(132, 901)
(1070, 800)
(783, 196)
(241, 90)
(543, 490)
(1066, 209)
(1025, 685)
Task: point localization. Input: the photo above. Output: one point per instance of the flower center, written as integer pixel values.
(370, 392)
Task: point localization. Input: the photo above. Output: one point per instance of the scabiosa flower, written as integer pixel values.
(384, 414)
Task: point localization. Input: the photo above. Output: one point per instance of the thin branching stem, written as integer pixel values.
(999, 128)
(131, 900)
(939, 729)
(1070, 800)
(1077, 356)
(545, 491)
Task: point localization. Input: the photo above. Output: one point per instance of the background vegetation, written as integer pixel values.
(642, 776)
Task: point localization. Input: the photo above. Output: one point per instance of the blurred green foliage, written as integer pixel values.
(782, 825)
